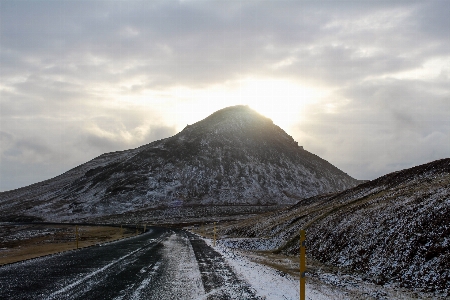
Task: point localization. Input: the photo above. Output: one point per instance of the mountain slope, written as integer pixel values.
(395, 229)
(233, 157)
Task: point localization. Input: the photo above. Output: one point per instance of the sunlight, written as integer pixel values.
(282, 101)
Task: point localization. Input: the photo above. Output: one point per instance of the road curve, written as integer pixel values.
(160, 264)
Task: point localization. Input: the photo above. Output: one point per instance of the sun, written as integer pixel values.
(282, 101)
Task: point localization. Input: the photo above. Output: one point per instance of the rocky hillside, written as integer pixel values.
(235, 157)
(395, 229)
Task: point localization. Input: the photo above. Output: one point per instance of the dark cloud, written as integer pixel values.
(192, 43)
(432, 20)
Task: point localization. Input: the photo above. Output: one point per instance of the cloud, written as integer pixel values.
(79, 78)
(26, 160)
(6, 142)
(28, 151)
(170, 43)
(379, 127)
(112, 133)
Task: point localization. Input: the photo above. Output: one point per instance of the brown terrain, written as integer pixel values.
(21, 242)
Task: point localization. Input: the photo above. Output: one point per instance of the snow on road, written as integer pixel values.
(182, 268)
(267, 282)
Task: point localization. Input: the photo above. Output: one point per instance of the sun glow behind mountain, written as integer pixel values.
(283, 101)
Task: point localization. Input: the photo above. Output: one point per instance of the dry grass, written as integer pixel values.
(286, 264)
(23, 242)
(344, 288)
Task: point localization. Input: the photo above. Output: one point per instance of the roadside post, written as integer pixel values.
(214, 234)
(76, 234)
(302, 265)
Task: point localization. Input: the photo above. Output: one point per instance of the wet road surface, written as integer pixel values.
(160, 264)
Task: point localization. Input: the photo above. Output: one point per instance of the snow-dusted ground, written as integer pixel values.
(391, 231)
(269, 283)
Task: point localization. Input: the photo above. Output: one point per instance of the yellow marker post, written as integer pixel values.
(76, 234)
(302, 265)
(214, 234)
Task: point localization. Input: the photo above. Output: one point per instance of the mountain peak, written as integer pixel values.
(233, 118)
(237, 112)
(238, 126)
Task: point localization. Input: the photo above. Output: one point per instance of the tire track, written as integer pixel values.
(219, 279)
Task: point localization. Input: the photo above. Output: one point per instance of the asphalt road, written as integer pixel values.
(160, 264)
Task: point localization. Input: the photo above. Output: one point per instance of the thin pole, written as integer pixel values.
(302, 265)
(76, 234)
(214, 234)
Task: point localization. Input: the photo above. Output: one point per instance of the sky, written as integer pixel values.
(363, 84)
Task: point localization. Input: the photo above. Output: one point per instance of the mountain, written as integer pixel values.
(394, 229)
(234, 161)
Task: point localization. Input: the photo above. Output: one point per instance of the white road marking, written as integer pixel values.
(72, 285)
(145, 282)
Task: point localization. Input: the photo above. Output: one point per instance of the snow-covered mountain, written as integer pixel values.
(394, 229)
(235, 157)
